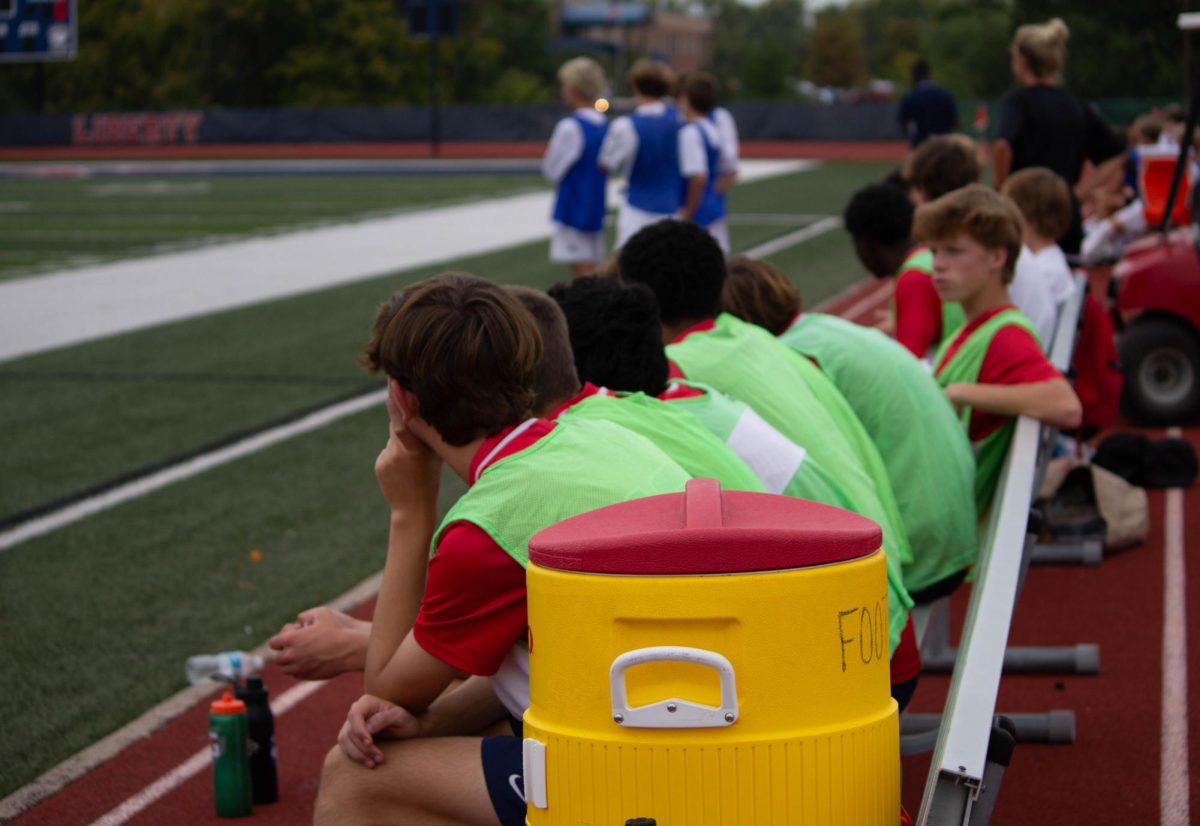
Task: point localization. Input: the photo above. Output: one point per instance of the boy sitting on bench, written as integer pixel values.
(993, 369)
(926, 453)
(460, 355)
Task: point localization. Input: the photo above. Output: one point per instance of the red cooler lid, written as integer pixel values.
(704, 530)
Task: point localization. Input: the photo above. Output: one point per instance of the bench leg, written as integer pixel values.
(1087, 552)
(1083, 658)
(918, 732)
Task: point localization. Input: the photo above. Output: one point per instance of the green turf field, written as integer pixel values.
(101, 614)
(58, 223)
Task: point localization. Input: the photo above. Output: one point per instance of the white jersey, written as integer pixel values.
(727, 129)
(1049, 265)
(566, 145)
(1032, 296)
(693, 159)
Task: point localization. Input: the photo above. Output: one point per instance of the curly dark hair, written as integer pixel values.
(880, 212)
(682, 264)
(615, 333)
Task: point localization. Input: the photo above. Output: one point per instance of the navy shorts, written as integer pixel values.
(502, 770)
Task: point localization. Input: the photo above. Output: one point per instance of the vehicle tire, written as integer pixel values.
(1161, 361)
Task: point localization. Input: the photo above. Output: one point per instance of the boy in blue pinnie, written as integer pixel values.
(704, 163)
(571, 162)
(643, 147)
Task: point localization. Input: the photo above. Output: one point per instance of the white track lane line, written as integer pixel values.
(193, 467)
(876, 297)
(1174, 804)
(77, 765)
(195, 764)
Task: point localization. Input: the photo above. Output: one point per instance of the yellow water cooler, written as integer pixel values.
(710, 658)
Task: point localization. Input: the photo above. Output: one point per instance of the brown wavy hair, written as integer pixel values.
(981, 213)
(651, 78)
(1043, 198)
(760, 293)
(464, 347)
(555, 379)
(942, 164)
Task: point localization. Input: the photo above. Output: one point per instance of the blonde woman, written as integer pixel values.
(1043, 124)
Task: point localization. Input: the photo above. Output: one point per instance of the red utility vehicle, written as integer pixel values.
(1158, 295)
(1158, 300)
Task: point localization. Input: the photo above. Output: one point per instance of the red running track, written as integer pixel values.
(1109, 776)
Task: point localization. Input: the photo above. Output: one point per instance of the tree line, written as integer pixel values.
(1116, 49)
(171, 54)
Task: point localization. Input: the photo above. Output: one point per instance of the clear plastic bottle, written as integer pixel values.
(233, 664)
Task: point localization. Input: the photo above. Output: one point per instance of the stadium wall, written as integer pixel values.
(476, 122)
(757, 121)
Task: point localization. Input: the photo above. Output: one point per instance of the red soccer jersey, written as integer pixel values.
(679, 391)
(587, 390)
(474, 607)
(698, 327)
(1013, 357)
(674, 371)
(918, 312)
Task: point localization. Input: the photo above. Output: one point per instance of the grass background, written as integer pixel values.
(58, 223)
(102, 614)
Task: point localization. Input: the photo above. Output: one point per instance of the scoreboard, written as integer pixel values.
(37, 30)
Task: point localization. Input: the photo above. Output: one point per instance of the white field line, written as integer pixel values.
(140, 487)
(1174, 775)
(101, 752)
(167, 476)
(195, 764)
(785, 219)
(192, 467)
(54, 310)
(793, 238)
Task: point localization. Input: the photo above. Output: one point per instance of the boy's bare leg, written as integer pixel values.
(422, 782)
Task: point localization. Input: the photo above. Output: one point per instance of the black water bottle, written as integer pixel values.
(261, 740)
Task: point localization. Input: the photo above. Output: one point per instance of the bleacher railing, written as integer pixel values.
(972, 747)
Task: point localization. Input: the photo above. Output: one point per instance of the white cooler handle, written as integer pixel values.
(673, 713)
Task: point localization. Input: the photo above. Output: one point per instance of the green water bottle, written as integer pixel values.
(231, 768)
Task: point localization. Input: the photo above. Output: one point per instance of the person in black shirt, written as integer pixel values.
(1044, 124)
(928, 109)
